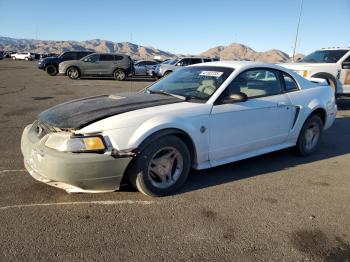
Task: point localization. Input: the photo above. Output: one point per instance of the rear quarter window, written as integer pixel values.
(289, 83)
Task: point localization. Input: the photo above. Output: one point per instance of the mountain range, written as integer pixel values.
(233, 51)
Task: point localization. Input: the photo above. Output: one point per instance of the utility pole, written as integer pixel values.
(296, 36)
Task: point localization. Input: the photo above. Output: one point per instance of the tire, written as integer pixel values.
(162, 167)
(51, 70)
(330, 80)
(27, 59)
(13, 58)
(310, 136)
(73, 73)
(119, 74)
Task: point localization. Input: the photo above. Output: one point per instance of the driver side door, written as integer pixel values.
(243, 129)
(91, 65)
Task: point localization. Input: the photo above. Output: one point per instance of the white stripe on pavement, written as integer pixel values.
(12, 171)
(107, 202)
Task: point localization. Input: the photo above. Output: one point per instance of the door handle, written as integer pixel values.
(281, 104)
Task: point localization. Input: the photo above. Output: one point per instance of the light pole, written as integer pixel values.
(296, 36)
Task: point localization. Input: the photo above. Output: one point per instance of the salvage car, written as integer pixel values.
(118, 66)
(199, 117)
(330, 64)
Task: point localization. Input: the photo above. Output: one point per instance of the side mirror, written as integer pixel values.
(345, 65)
(179, 64)
(234, 98)
(299, 59)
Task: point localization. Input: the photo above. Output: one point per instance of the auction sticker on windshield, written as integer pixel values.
(211, 73)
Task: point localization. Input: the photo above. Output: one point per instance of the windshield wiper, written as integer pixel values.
(160, 92)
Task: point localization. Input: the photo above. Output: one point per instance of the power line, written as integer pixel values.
(297, 34)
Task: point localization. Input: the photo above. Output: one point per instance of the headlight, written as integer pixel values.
(64, 142)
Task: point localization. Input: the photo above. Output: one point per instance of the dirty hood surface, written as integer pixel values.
(82, 112)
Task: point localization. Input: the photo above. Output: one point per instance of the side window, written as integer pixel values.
(150, 63)
(185, 61)
(69, 56)
(195, 61)
(289, 83)
(106, 57)
(347, 60)
(256, 83)
(118, 57)
(206, 60)
(92, 58)
(81, 55)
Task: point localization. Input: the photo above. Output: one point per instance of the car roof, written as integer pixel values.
(242, 65)
(335, 48)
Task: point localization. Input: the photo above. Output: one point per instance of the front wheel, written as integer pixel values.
(162, 167)
(119, 75)
(73, 73)
(51, 70)
(310, 136)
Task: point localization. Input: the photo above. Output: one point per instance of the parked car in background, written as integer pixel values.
(23, 56)
(142, 67)
(170, 66)
(48, 55)
(331, 64)
(7, 54)
(118, 66)
(199, 117)
(50, 64)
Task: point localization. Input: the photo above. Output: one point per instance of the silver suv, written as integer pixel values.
(170, 66)
(118, 66)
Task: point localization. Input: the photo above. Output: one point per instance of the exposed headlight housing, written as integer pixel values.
(65, 142)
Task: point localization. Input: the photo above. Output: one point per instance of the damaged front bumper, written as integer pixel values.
(73, 172)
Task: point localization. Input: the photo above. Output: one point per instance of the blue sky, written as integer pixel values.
(182, 26)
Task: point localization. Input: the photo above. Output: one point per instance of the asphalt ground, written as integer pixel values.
(276, 207)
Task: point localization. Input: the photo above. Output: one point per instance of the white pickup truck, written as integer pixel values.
(23, 56)
(331, 64)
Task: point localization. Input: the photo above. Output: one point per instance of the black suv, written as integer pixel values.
(50, 64)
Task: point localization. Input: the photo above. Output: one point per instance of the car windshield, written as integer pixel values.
(324, 56)
(170, 62)
(193, 83)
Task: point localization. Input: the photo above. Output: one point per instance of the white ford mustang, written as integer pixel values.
(200, 116)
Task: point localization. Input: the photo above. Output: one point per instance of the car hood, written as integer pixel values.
(82, 112)
(51, 60)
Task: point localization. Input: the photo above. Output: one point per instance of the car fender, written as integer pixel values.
(194, 128)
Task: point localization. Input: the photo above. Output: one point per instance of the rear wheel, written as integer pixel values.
(73, 73)
(119, 75)
(13, 58)
(51, 70)
(310, 135)
(162, 167)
